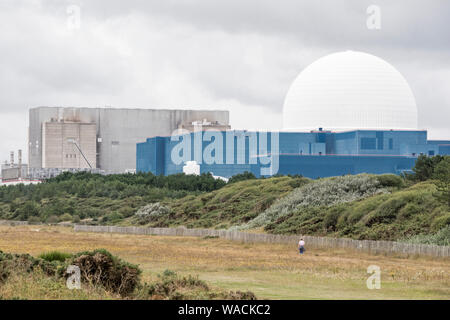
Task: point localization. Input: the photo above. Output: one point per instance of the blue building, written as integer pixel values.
(311, 154)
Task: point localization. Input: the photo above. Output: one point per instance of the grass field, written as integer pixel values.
(272, 271)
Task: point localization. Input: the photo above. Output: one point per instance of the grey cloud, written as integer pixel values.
(240, 55)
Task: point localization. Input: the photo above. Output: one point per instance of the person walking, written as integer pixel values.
(301, 246)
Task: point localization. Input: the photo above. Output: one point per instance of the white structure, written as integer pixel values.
(191, 167)
(349, 90)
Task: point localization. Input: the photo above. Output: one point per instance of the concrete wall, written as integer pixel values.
(117, 130)
(60, 152)
(369, 246)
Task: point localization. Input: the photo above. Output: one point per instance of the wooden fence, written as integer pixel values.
(369, 246)
(13, 223)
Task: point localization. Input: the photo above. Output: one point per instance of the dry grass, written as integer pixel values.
(271, 271)
(38, 286)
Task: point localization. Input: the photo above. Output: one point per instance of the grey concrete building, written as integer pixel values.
(103, 138)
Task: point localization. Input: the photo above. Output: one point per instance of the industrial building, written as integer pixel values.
(102, 139)
(347, 113)
(12, 170)
(312, 154)
(15, 173)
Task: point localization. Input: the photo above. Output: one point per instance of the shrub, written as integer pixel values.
(76, 218)
(424, 167)
(240, 295)
(391, 180)
(409, 210)
(55, 256)
(34, 220)
(331, 218)
(241, 177)
(112, 217)
(440, 238)
(441, 222)
(22, 263)
(386, 212)
(442, 174)
(99, 267)
(322, 192)
(52, 219)
(65, 217)
(174, 287)
(151, 212)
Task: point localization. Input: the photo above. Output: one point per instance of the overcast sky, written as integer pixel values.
(238, 55)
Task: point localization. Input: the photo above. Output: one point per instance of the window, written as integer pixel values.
(368, 143)
(380, 140)
(391, 144)
(431, 153)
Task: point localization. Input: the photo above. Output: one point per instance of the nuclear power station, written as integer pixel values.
(346, 113)
(103, 138)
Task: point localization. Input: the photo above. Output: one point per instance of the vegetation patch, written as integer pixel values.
(99, 267)
(103, 276)
(402, 214)
(55, 256)
(171, 286)
(234, 204)
(320, 193)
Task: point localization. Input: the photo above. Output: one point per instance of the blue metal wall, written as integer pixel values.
(311, 154)
(331, 165)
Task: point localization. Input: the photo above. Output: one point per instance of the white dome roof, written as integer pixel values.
(350, 90)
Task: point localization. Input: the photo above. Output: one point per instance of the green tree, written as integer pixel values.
(424, 167)
(241, 177)
(442, 175)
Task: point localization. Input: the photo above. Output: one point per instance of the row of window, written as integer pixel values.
(375, 143)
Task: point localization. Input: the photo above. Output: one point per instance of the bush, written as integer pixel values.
(170, 284)
(34, 220)
(322, 192)
(55, 256)
(23, 263)
(409, 210)
(386, 212)
(442, 174)
(65, 217)
(441, 222)
(391, 180)
(151, 212)
(112, 217)
(99, 267)
(174, 287)
(331, 218)
(424, 167)
(76, 218)
(440, 238)
(241, 177)
(52, 219)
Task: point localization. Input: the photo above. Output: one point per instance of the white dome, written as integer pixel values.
(350, 90)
